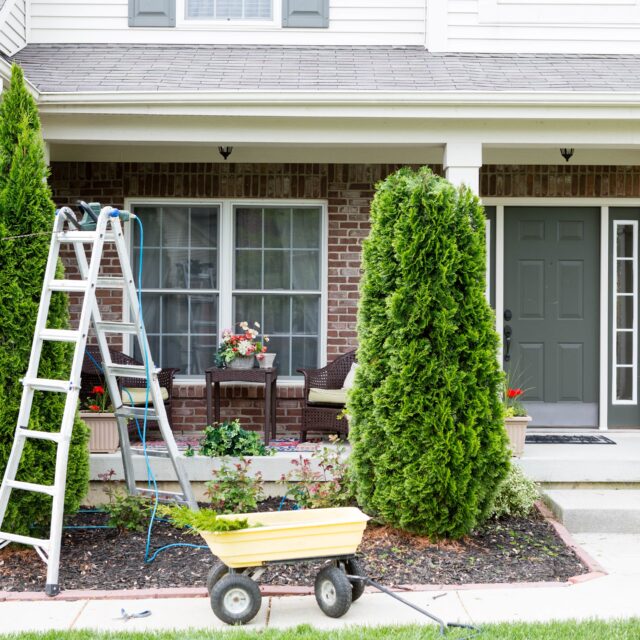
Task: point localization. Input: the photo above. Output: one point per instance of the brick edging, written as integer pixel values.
(595, 571)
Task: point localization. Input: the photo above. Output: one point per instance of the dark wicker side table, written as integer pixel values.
(214, 376)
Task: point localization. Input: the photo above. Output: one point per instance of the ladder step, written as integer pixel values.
(30, 486)
(77, 236)
(128, 370)
(23, 432)
(60, 335)
(110, 283)
(163, 495)
(36, 542)
(69, 285)
(151, 453)
(126, 411)
(42, 384)
(116, 327)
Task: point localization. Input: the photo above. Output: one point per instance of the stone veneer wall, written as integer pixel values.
(348, 190)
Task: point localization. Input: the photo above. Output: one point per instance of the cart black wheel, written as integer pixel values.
(216, 573)
(333, 591)
(354, 568)
(235, 599)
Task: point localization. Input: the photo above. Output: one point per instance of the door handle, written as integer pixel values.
(508, 332)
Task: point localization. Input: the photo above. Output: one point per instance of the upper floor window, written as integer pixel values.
(229, 9)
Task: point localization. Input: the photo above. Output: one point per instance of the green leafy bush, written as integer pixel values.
(228, 438)
(203, 520)
(429, 444)
(328, 487)
(516, 495)
(126, 512)
(234, 490)
(26, 208)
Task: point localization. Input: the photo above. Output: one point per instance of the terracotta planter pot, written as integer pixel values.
(104, 436)
(242, 362)
(517, 430)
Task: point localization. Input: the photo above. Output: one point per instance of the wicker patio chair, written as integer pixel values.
(323, 417)
(92, 376)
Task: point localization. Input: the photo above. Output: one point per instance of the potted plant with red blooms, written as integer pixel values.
(97, 413)
(515, 418)
(238, 350)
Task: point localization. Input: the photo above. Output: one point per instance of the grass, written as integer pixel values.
(589, 630)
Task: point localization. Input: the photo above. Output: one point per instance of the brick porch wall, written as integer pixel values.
(348, 189)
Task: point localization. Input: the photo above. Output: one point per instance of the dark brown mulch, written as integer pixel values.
(509, 550)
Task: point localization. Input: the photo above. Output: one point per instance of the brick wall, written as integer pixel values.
(348, 190)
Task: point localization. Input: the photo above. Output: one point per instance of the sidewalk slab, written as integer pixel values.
(619, 554)
(38, 616)
(178, 613)
(375, 609)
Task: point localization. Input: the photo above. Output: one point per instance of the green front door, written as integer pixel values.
(551, 297)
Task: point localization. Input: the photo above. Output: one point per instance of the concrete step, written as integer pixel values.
(596, 510)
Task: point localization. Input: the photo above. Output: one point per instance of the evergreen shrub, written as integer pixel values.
(426, 419)
(26, 207)
(516, 495)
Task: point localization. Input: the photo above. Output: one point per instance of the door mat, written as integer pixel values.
(558, 439)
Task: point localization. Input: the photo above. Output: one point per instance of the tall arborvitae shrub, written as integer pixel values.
(26, 208)
(429, 444)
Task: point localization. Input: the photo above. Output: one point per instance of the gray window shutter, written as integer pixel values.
(152, 13)
(305, 13)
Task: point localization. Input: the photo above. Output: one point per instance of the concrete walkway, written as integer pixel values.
(612, 596)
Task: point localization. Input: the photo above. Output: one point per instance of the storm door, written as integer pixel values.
(551, 317)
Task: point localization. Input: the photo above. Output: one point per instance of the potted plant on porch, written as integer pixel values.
(515, 419)
(239, 350)
(102, 423)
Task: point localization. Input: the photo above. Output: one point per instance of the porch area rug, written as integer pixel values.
(552, 438)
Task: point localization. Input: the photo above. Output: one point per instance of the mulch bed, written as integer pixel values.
(508, 550)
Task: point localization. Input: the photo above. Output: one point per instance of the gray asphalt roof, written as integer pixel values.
(124, 67)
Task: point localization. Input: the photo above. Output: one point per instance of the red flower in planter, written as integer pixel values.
(514, 393)
(97, 390)
(94, 407)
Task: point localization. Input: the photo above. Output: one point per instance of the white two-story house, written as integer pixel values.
(535, 104)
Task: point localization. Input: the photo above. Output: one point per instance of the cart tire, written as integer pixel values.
(333, 591)
(216, 573)
(236, 599)
(354, 568)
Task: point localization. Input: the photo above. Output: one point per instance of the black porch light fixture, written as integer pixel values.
(225, 152)
(566, 153)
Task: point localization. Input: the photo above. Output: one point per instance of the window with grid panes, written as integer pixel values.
(276, 264)
(229, 9)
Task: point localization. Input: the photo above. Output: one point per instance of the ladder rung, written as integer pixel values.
(77, 236)
(126, 411)
(162, 495)
(69, 285)
(38, 435)
(151, 453)
(116, 327)
(128, 370)
(36, 542)
(30, 486)
(42, 384)
(60, 335)
(110, 283)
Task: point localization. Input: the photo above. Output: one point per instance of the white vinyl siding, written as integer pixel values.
(13, 26)
(352, 22)
(534, 26)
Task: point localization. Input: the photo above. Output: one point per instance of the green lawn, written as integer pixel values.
(593, 630)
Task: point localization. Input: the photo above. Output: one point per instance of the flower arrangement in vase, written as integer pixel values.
(97, 413)
(238, 350)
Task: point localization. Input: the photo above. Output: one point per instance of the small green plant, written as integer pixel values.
(234, 489)
(328, 487)
(516, 495)
(203, 520)
(228, 438)
(126, 512)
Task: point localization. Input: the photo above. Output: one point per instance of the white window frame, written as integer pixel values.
(614, 324)
(226, 258)
(182, 21)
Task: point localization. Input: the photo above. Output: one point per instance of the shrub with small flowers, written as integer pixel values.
(99, 401)
(236, 345)
(234, 489)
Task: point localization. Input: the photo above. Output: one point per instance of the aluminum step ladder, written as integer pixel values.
(99, 227)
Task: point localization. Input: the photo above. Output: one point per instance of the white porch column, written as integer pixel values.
(462, 162)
